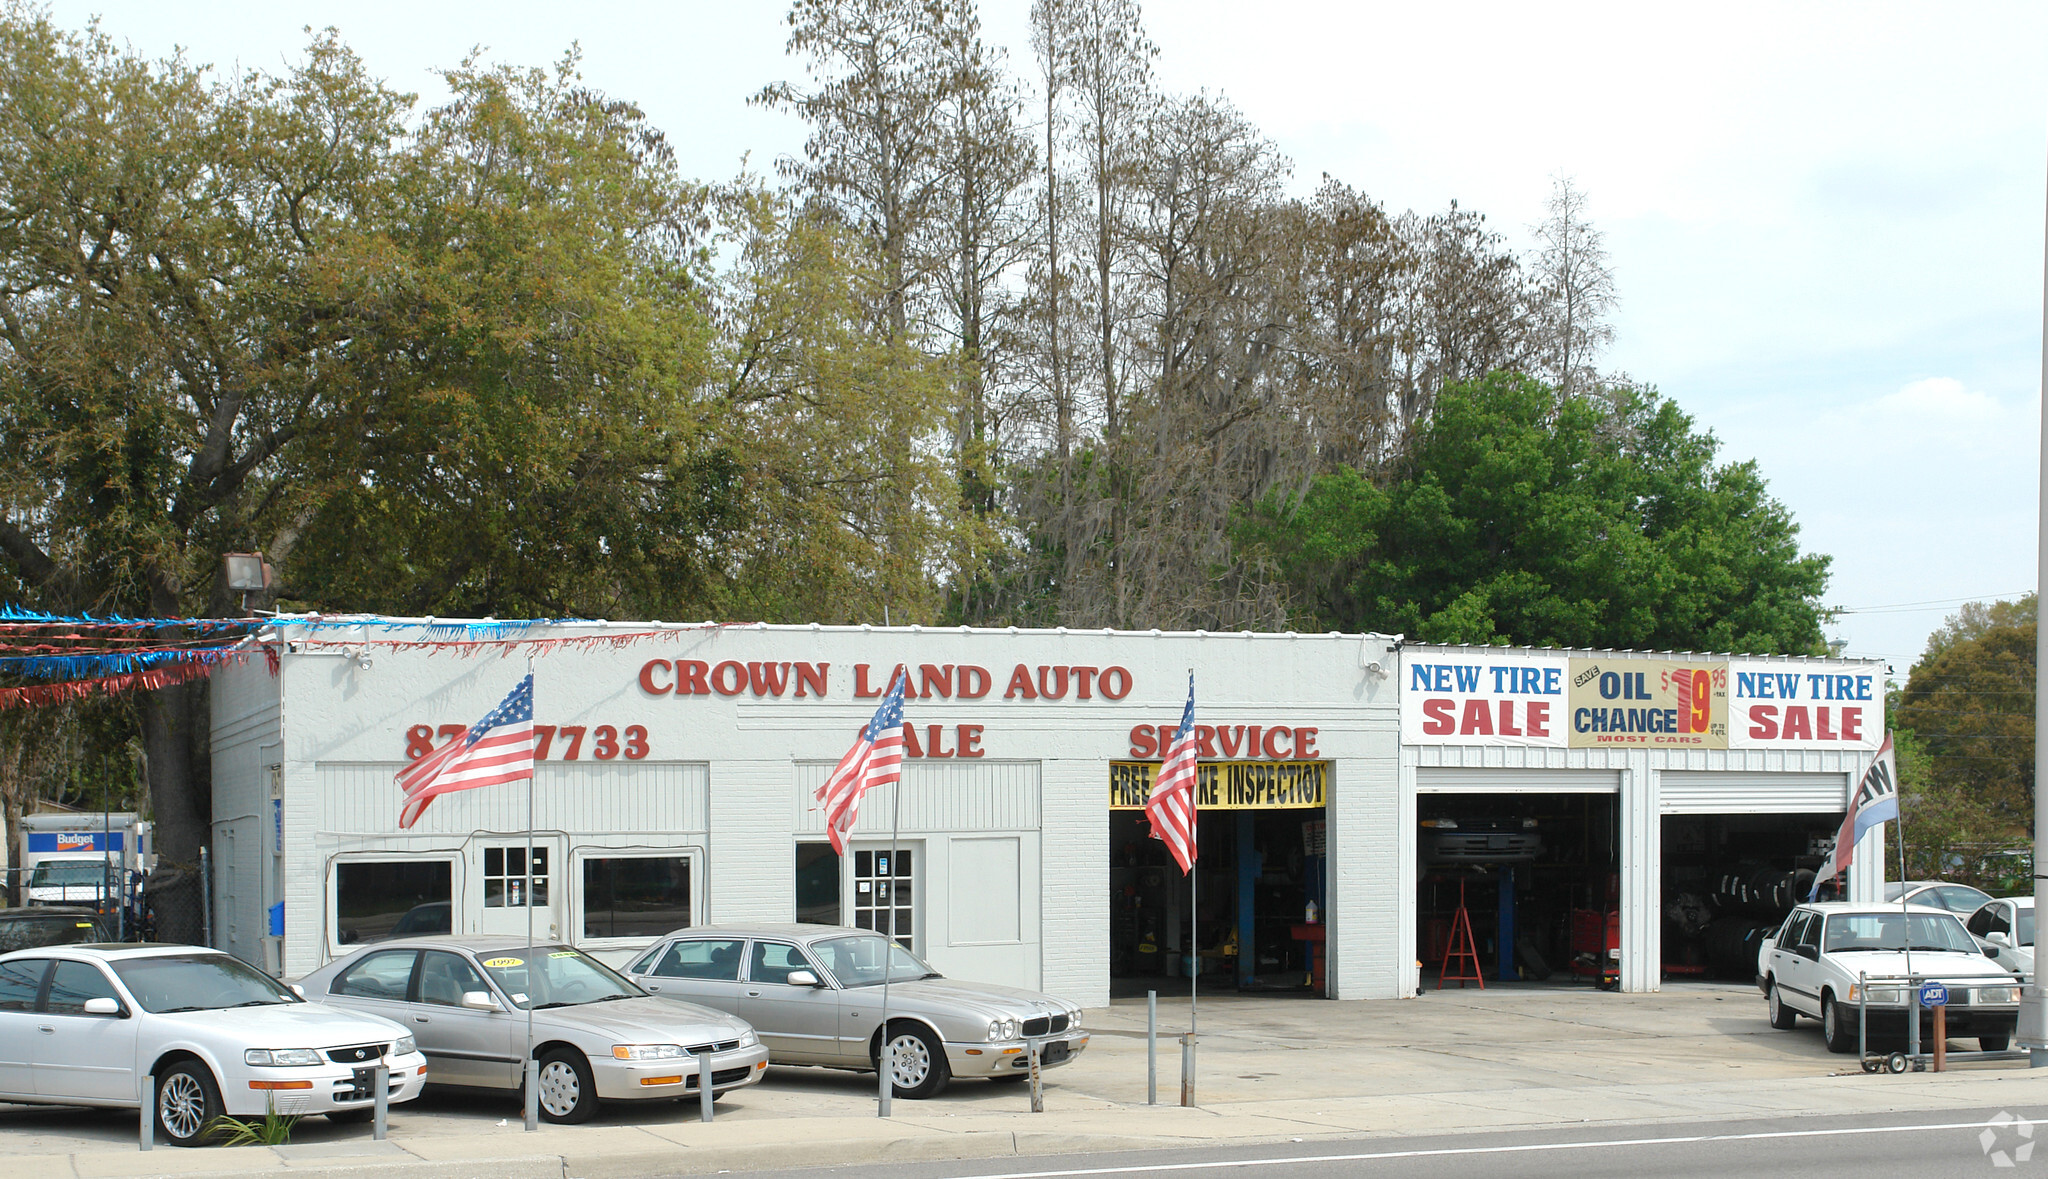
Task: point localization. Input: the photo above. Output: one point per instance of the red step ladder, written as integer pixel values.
(1463, 949)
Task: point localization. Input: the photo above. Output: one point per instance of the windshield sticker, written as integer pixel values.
(501, 963)
(565, 954)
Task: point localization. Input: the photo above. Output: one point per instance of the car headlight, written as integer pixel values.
(648, 1051)
(1074, 1020)
(749, 1038)
(286, 1056)
(405, 1046)
(1002, 1029)
(1882, 996)
(1997, 995)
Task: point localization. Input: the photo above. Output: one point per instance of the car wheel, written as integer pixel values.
(187, 1102)
(352, 1117)
(1994, 1043)
(916, 1063)
(1782, 1017)
(1832, 1033)
(567, 1093)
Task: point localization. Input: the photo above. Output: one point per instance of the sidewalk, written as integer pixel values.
(1269, 1070)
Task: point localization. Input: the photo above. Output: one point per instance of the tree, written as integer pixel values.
(1969, 702)
(1576, 291)
(1591, 523)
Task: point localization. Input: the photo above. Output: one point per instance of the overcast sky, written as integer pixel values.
(1825, 220)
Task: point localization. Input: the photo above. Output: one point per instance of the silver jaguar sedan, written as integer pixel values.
(814, 992)
(597, 1035)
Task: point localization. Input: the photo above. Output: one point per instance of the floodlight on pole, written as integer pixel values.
(246, 571)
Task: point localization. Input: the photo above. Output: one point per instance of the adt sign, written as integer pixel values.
(1933, 995)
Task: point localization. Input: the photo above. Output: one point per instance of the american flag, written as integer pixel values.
(496, 749)
(1171, 805)
(876, 759)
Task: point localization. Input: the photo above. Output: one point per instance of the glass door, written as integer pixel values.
(508, 886)
(885, 889)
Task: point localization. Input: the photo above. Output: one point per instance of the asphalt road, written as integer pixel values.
(1955, 1142)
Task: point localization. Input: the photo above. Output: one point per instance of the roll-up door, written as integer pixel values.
(1704, 792)
(1464, 780)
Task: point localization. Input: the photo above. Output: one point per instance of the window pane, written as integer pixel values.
(711, 959)
(383, 975)
(19, 982)
(817, 884)
(634, 896)
(391, 898)
(445, 978)
(73, 984)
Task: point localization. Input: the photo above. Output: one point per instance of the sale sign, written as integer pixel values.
(1649, 702)
(1474, 698)
(1805, 706)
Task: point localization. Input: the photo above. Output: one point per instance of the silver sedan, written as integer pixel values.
(814, 992)
(596, 1035)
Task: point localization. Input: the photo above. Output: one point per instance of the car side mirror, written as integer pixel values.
(1997, 938)
(1991, 951)
(1810, 953)
(101, 1005)
(298, 990)
(802, 978)
(480, 1001)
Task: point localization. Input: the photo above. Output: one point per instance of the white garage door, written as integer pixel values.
(1464, 780)
(1701, 792)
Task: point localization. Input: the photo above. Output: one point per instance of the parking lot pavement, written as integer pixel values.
(1268, 1070)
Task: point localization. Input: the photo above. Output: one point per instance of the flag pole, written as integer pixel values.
(883, 1053)
(1187, 1084)
(532, 1066)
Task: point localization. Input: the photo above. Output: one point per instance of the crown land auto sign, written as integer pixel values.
(1587, 702)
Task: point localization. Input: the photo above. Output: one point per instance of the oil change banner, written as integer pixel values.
(1649, 702)
(1229, 785)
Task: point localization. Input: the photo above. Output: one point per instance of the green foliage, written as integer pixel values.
(1969, 704)
(272, 1129)
(1526, 519)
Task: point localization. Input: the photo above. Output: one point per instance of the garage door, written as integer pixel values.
(1699, 792)
(1463, 780)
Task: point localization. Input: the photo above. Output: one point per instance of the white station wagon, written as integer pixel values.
(1824, 950)
(83, 1024)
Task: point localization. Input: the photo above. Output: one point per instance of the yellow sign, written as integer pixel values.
(1229, 785)
(501, 963)
(1648, 702)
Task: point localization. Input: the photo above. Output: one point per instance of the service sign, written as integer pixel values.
(1229, 785)
(1805, 706)
(1470, 698)
(1649, 702)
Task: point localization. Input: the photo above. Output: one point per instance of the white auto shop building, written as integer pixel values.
(677, 765)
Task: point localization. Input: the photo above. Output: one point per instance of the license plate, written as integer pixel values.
(1053, 1053)
(363, 1084)
(1496, 843)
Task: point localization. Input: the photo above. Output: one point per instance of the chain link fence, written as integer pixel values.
(129, 906)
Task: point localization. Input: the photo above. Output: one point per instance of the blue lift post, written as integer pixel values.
(1249, 868)
(1504, 931)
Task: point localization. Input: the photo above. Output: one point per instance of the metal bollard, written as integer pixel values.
(532, 1094)
(705, 1097)
(1151, 1047)
(380, 1102)
(1187, 1068)
(1913, 1018)
(148, 1129)
(1037, 1080)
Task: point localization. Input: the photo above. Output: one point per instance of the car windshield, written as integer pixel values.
(198, 982)
(1853, 932)
(565, 977)
(856, 960)
(27, 931)
(2026, 929)
(64, 873)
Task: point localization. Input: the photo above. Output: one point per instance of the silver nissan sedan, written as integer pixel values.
(814, 992)
(597, 1035)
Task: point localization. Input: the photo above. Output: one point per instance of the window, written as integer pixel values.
(635, 896)
(881, 894)
(773, 962)
(507, 882)
(386, 974)
(1851, 932)
(73, 983)
(817, 884)
(379, 899)
(1987, 919)
(20, 981)
(712, 958)
(445, 978)
(1801, 932)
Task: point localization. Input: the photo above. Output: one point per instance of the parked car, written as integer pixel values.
(1960, 899)
(2005, 928)
(814, 992)
(50, 925)
(601, 1037)
(1824, 948)
(83, 1024)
